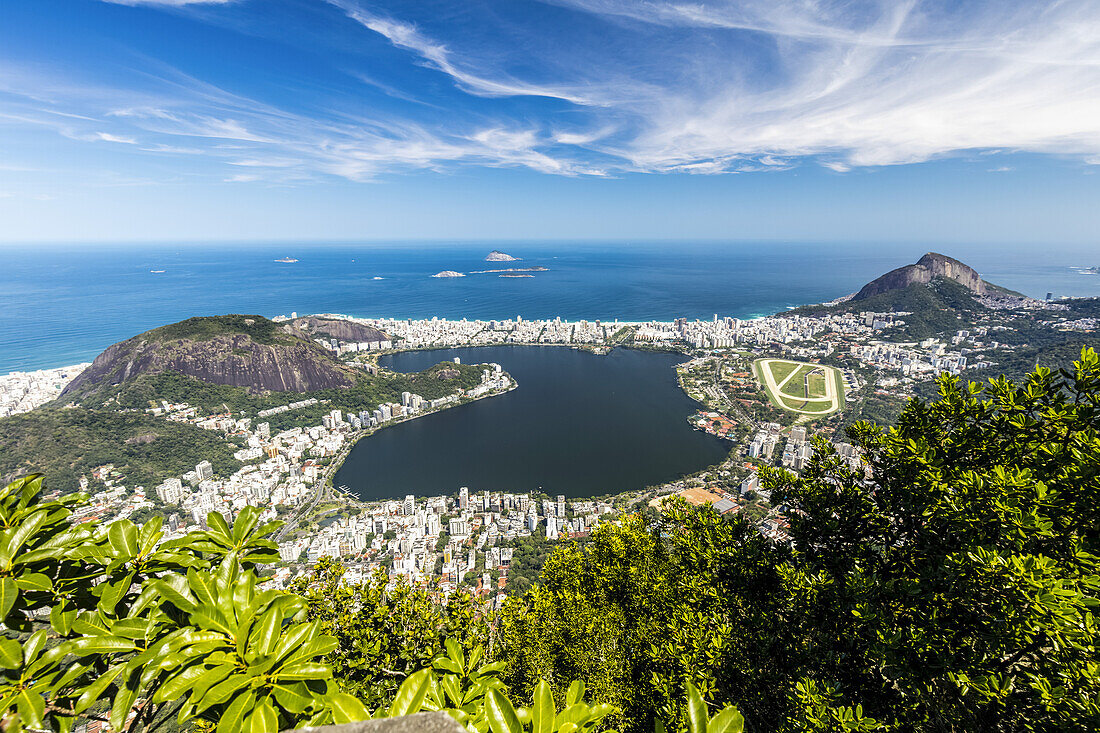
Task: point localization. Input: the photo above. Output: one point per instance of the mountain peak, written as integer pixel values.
(236, 350)
(927, 268)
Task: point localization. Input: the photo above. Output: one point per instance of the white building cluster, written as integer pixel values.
(442, 333)
(444, 537)
(24, 391)
(928, 357)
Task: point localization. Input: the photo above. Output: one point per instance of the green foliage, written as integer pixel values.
(141, 629)
(384, 635)
(66, 443)
(367, 393)
(141, 626)
(966, 581)
(950, 583)
(728, 720)
(631, 614)
(477, 699)
(204, 328)
(528, 557)
(940, 307)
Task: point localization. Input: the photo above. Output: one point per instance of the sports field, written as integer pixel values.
(808, 389)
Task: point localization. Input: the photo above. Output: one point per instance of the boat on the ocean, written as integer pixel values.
(286, 259)
(156, 272)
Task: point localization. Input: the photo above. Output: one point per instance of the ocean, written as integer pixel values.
(65, 304)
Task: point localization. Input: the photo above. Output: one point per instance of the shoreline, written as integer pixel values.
(346, 453)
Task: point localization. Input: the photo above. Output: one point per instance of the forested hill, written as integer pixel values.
(935, 308)
(940, 294)
(246, 351)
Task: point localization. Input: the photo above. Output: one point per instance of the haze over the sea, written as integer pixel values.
(65, 304)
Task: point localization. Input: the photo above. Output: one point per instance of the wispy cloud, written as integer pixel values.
(603, 87)
(406, 36)
(169, 3)
(109, 138)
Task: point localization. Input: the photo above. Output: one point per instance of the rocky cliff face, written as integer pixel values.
(291, 362)
(931, 266)
(339, 329)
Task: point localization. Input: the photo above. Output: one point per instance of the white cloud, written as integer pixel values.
(168, 3)
(898, 83)
(699, 86)
(109, 138)
(406, 36)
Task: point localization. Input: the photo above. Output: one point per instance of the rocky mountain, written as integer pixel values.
(339, 328)
(927, 268)
(497, 256)
(939, 294)
(244, 351)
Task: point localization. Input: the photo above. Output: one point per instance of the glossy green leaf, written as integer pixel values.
(232, 720)
(542, 709)
(575, 693)
(411, 694)
(11, 653)
(347, 709)
(264, 719)
(500, 714)
(727, 721)
(696, 710)
(8, 594)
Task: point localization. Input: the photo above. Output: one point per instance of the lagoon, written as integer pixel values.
(579, 424)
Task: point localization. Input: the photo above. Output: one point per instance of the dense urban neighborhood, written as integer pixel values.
(767, 386)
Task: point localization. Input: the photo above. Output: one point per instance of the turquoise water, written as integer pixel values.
(63, 305)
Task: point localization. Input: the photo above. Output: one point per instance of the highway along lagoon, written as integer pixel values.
(579, 424)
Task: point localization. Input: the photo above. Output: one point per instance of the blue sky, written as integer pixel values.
(347, 119)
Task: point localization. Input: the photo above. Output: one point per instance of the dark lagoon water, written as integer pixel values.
(65, 304)
(579, 424)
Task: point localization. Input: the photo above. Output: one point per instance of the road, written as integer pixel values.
(320, 491)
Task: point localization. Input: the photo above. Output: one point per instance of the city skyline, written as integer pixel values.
(133, 120)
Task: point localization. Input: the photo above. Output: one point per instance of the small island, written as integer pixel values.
(514, 274)
(511, 269)
(497, 256)
(449, 273)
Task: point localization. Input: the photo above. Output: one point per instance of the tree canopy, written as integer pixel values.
(947, 583)
(947, 580)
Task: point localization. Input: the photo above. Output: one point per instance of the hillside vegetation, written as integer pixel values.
(64, 444)
(949, 584)
(204, 328)
(249, 352)
(936, 308)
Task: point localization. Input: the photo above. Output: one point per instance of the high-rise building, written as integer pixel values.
(410, 505)
(463, 497)
(204, 470)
